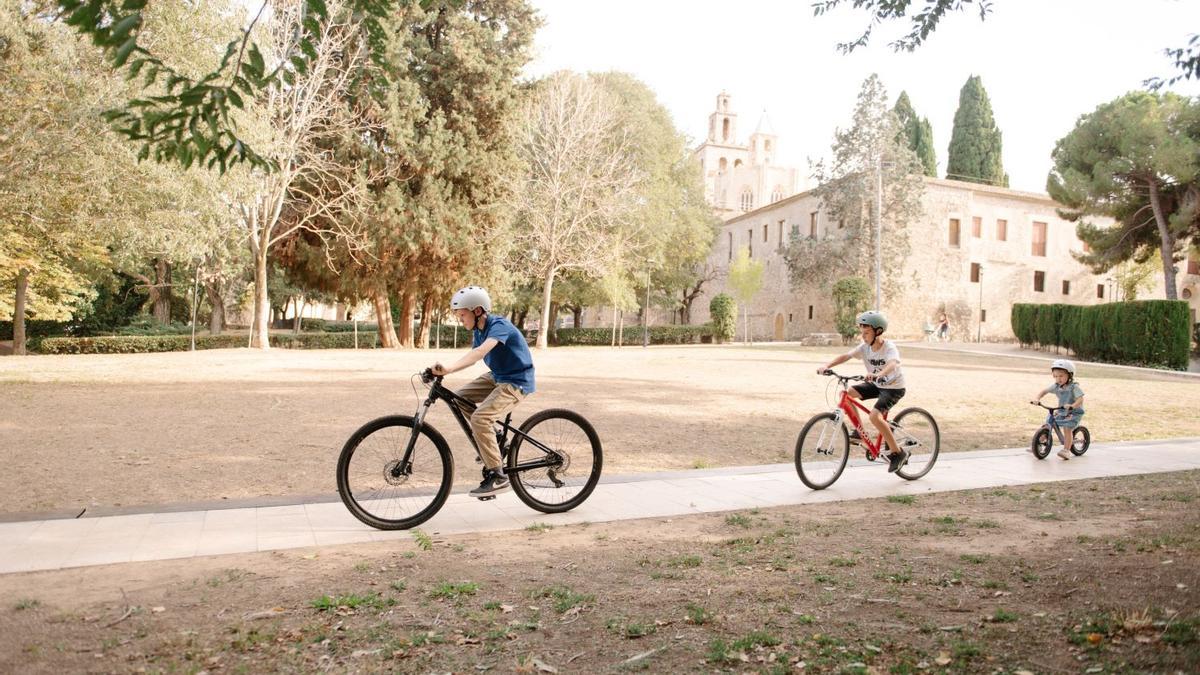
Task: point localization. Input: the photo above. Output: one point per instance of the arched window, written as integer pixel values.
(723, 164)
(725, 130)
(767, 145)
(747, 202)
(737, 163)
(776, 194)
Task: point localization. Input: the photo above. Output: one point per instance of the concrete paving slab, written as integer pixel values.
(54, 543)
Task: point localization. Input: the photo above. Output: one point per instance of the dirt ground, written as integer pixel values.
(98, 431)
(1098, 576)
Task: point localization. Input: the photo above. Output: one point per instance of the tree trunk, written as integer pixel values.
(1167, 245)
(262, 304)
(544, 330)
(383, 317)
(298, 321)
(426, 321)
(520, 322)
(216, 299)
(19, 313)
(407, 302)
(162, 284)
(577, 317)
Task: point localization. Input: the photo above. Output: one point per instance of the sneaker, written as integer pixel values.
(494, 482)
(897, 460)
(1065, 453)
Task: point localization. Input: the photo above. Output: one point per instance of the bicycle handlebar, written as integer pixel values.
(844, 378)
(427, 376)
(1043, 405)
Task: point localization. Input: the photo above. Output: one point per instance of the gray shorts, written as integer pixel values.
(887, 397)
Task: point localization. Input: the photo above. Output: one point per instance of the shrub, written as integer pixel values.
(850, 297)
(1152, 333)
(143, 344)
(329, 326)
(659, 335)
(723, 311)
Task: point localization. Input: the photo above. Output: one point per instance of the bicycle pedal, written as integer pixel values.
(486, 498)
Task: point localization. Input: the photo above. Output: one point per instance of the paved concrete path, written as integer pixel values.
(59, 543)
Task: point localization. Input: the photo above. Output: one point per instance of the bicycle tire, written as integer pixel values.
(821, 454)
(385, 501)
(1078, 447)
(921, 437)
(564, 486)
(1042, 443)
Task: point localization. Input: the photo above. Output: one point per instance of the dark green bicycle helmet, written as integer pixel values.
(873, 319)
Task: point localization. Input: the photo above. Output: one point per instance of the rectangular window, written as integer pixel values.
(812, 224)
(974, 273)
(1193, 266)
(954, 231)
(1039, 239)
(841, 223)
(730, 245)
(750, 241)
(810, 312)
(781, 234)
(977, 227)
(764, 233)
(1100, 291)
(1001, 230)
(1066, 287)
(789, 317)
(1039, 282)
(983, 316)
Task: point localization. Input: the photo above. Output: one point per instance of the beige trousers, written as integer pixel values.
(492, 402)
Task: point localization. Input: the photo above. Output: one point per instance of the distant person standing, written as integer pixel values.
(943, 330)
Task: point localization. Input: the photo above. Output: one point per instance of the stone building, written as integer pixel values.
(742, 177)
(976, 251)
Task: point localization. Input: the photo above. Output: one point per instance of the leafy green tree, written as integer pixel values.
(745, 280)
(975, 143)
(869, 152)
(723, 312)
(916, 133)
(851, 296)
(1136, 160)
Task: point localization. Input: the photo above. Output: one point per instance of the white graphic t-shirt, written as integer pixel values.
(875, 361)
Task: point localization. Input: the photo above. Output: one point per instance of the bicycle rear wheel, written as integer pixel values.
(563, 457)
(917, 432)
(821, 451)
(380, 492)
(1042, 442)
(1081, 440)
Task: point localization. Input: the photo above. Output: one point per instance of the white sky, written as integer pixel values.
(1043, 62)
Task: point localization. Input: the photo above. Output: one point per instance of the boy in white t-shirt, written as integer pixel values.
(885, 380)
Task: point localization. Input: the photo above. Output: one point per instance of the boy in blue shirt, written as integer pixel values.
(495, 393)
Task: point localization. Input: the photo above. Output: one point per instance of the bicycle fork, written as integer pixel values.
(404, 466)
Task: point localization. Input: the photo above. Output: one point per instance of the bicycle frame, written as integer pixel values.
(1052, 424)
(850, 407)
(458, 405)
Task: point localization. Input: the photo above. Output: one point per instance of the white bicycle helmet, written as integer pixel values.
(1063, 364)
(471, 297)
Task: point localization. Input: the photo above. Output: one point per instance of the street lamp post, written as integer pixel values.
(646, 312)
(979, 329)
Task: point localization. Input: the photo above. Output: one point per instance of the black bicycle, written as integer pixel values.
(397, 471)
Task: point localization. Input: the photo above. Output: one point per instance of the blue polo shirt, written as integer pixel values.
(509, 361)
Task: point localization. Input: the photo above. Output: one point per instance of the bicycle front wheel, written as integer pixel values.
(378, 489)
(917, 432)
(554, 463)
(1042, 442)
(821, 451)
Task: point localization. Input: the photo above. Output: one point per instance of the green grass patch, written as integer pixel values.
(27, 603)
(973, 558)
(698, 615)
(328, 603)
(538, 527)
(1002, 615)
(902, 499)
(738, 520)
(564, 598)
(449, 590)
(424, 541)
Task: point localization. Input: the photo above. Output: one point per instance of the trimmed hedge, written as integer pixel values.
(142, 344)
(659, 335)
(1155, 333)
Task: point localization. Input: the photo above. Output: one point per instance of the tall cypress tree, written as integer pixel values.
(975, 144)
(916, 133)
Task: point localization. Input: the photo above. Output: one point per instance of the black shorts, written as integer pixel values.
(887, 397)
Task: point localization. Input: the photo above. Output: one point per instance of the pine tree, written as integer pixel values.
(916, 133)
(975, 144)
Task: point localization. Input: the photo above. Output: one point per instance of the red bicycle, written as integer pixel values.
(824, 444)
